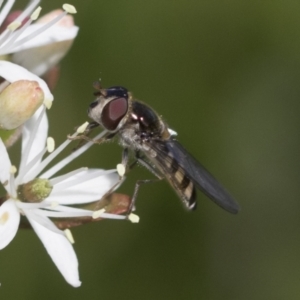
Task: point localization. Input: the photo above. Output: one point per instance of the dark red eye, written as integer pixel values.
(113, 112)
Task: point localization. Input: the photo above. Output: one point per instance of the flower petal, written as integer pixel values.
(39, 141)
(61, 251)
(5, 167)
(54, 34)
(12, 72)
(86, 186)
(34, 134)
(47, 50)
(9, 222)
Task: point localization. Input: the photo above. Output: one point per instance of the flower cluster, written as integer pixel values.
(34, 198)
(33, 50)
(40, 197)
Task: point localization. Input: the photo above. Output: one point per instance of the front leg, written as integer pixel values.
(125, 169)
(84, 138)
(86, 133)
(87, 139)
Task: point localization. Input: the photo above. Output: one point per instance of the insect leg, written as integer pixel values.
(125, 160)
(147, 165)
(125, 169)
(125, 157)
(87, 131)
(144, 163)
(84, 138)
(136, 189)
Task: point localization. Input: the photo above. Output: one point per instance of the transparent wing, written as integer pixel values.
(174, 159)
(173, 172)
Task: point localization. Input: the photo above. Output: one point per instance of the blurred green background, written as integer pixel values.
(225, 75)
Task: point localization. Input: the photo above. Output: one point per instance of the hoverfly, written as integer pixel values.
(140, 129)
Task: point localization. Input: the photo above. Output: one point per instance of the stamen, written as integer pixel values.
(97, 213)
(61, 214)
(7, 33)
(14, 36)
(133, 218)
(49, 158)
(82, 128)
(50, 144)
(48, 103)
(61, 211)
(40, 30)
(27, 11)
(14, 25)
(71, 157)
(41, 211)
(113, 216)
(35, 14)
(69, 236)
(29, 166)
(121, 170)
(13, 170)
(5, 10)
(69, 8)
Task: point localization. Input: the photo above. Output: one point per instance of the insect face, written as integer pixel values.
(110, 107)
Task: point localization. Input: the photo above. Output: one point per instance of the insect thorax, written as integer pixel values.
(142, 125)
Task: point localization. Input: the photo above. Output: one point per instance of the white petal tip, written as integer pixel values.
(133, 218)
(77, 284)
(69, 8)
(35, 14)
(50, 144)
(69, 236)
(48, 103)
(82, 128)
(97, 213)
(121, 170)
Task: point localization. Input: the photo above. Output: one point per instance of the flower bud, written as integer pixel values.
(18, 102)
(35, 191)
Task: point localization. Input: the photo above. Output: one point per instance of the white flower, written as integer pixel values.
(77, 187)
(35, 48)
(39, 46)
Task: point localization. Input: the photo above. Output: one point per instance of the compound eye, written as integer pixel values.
(113, 112)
